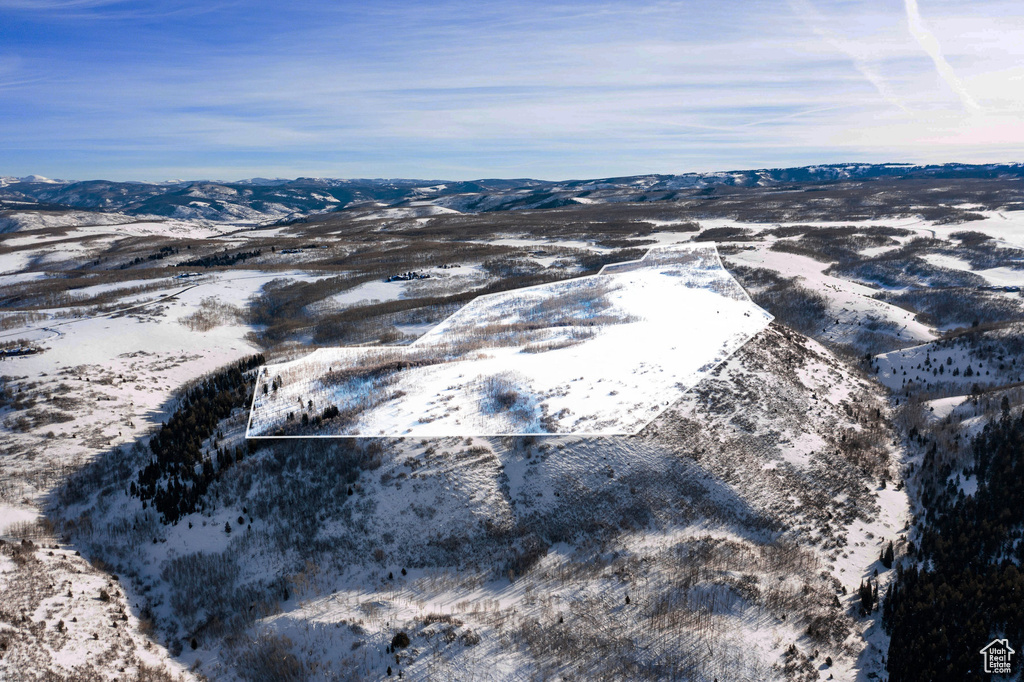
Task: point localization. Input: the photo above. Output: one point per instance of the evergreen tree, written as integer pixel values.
(866, 597)
(179, 474)
(888, 556)
(967, 587)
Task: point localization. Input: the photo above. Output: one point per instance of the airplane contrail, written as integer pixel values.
(930, 44)
(813, 19)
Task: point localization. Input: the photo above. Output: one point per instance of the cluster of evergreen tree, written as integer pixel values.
(868, 593)
(967, 587)
(219, 259)
(158, 255)
(180, 472)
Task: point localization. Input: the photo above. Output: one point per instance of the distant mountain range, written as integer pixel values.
(262, 200)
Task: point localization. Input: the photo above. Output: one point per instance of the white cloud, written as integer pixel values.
(560, 90)
(930, 44)
(817, 23)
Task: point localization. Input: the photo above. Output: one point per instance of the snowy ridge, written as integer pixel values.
(34, 220)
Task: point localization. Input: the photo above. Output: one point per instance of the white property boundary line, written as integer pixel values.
(600, 273)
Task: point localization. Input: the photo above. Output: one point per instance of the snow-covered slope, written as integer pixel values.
(14, 221)
(852, 304)
(601, 354)
(737, 521)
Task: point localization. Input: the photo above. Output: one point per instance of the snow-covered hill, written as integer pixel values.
(740, 523)
(596, 355)
(15, 221)
(738, 517)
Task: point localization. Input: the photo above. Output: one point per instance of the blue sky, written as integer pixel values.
(125, 89)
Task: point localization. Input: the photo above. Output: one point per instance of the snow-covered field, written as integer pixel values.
(850, 302)
(759, 486)
(595, 355)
